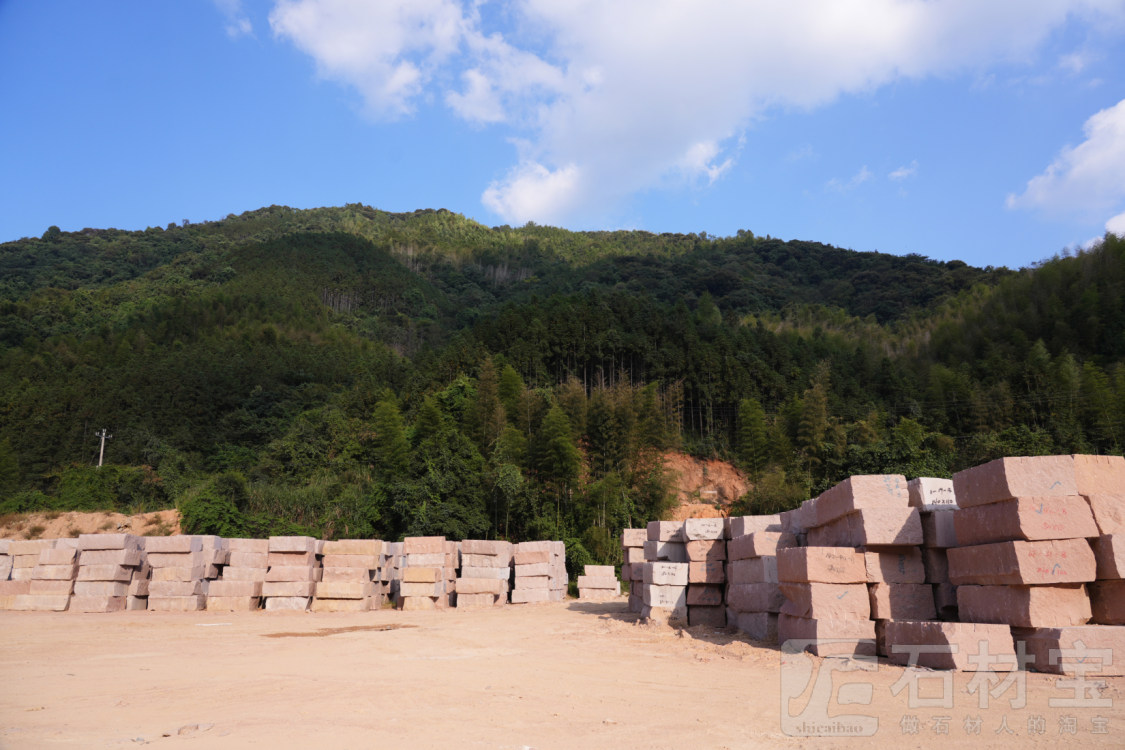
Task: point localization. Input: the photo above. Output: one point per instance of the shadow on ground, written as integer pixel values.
(619, 611)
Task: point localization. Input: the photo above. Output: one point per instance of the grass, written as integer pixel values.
(51, 515)
(12, 519)
(106, 526)
(35, 531)
(73, 532)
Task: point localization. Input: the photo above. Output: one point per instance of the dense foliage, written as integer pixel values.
(350, 372)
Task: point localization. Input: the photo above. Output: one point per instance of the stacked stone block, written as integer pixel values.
(427, 575)
(391, 574)
(9, 589)
(598, 584)
(294, 570)
(936, 502)
(5, 560)
(107, 564)
(633, 567)
(1101, 481)
(486, 572)
(706, 548)
(51, 580)
(350, 576)
(1024, 557)
(240, 582)
(753, 596)
(536, 573)
(182, 568)
(25, 556)
(665, 592)
(826, 597)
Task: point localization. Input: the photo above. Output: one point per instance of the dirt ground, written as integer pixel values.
(566, 675)
(59, 525)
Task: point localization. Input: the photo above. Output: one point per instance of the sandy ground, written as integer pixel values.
(57, 525)
(566, 675)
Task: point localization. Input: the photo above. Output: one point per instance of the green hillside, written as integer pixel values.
(351, 372)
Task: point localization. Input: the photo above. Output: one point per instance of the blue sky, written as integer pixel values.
(991, 132)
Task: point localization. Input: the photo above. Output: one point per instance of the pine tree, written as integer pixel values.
(392, 451)
(753, 444)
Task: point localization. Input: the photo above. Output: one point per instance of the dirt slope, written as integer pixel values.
(55, 525)
(704, 488)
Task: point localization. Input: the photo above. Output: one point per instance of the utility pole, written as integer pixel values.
(104, 435)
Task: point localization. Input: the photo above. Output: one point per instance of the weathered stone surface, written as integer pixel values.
(886, 526)
(292, 573)
(969, 647)
(754, 597)
(22, 547)
(704, 595)
(665, 597)
(821, 564)
(343, 590)
(670, 551)
(1082, 649)
(14, 588)
(752, 570)
(101, 588)
(832, 601)
(745, 525)
(1099, 475)
(477, 601)
(183, 574)
(829, 637)
(931, 494)
(634, 554)
(423, 545)
(55, 573)
(259, 546)
(1109, 512)
(708, 549)
(232, 603)
(58, 556)
(304, 544)
(365, 562)
(355, 575)
(598, 582)
(897, 565)
(287, 603)
(50, 588)
(533, 557)
(1025, 606)
(945, 600)
(129, 557)
(291, 559)
(634, 537)
(1026, 518)
(936, 563)
(481, 586)
(138, 587)
(422, 575)
(704, 529)
(711, 617)
(177, 588)
(365, 547)
(488, 561)
(600, 571)
(500, 574)
(708, 571)
(666, 574)
(529, 571)
(532, 582)
(108, 541)
(160, 544)
(939, 529)
(902, 601)
(862, 492)
(759, 626)
(232, 573)
(1048, 562)
(1006, 478)
(41, 602)
(490, 547)
(1109, 552)
(1107, 600)
(598, 595)
(176, 603)
(428, 560)
(288, 588)
(666, 531)
(93, 604)
(759, 544)
(530, 596)
(234, 589)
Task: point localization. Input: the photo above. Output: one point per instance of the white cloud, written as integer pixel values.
(841, 186)
(1084, 180)
(904, 172)
(1116, 225)
(617, 96)
(237, 22)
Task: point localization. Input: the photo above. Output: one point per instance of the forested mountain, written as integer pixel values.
(351, 372)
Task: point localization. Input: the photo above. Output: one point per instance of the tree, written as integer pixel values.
(486, 415)
(392, 452)
(753, 442)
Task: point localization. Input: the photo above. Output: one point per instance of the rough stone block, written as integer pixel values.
(343, 589)
(1048, 562)
(353, 575)
(634, 537)
(127, 557)
(669, 551)
(931, 494)
(24, 547)
(234, 589)
(708, 571)
(600, 571)
(257, 546)
(101, 588)
(832, 601)
(704, 529)
(177, 603)
(481, 586)
(55, 573)
(363, 562)
(888, 526)
(364, 547)
(500, 574)
(177, 588)
(598, 595)
(704, 595)
(184, 574)
(634, 554)
(232, 573)
(754, 597)
(598, 582)
(939, 530)
(666, 531)
(58, 556)
(1029, 519)
(534, 557)
(530, 596)
(752, 570)
(902, 601)
(239, 559)
(711, 617)
(1088, 650)
(1109, 552)
(41, 602)
(92, 604)
(872, 491)
(936, 563)
(821, 565)
(1025, 606)
(969, 647)
(698, 551)
(829, 637)
(293, 544)
(13, 588)
(50, 587)
(533, 582)
(291, 559)
(665, 597)
(427, 560)
(1099, 475)
(745, 525)
(232, 603)
(537, 569)
(294, 573)
(1107, 600)
(163, 544)
(1007, 478)
(666, 574)
(108, 541)
(895, 565)
(945, 601)
(759, 626)
(759, 544)
(288, 588)
(490, 547)
(287, 603)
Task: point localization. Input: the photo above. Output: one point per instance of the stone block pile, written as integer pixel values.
(51, 580)
(665, 592)
(107, 565)
(826, 597)
(936, 503)
(706, 549)
(240, 582)
(753, 595)
(486, 572)
(1101, 481)
(293, 572)
(392, 570)
(350, 576)
(540, 572)
(633, 567)
(598, 584)
(428, 574)
(182, 569)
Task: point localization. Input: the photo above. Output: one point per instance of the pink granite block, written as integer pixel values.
(1006, 478)
(304, 544)
(364, 547)
(1025, 606)
(704, 595)
(343, 589)
(1099, 475)
(109, 541)
(48, 587)
(945, 600)
(1109, 512)
(895, 565)
(634, 537)
(1047, 562)
(54, 572)
(92, 604)
(177, 603)
(231, 573)
(1109, 552)
(902, 601)
(666, 531)
(257, 546)
(759, 544)
(162, 544)
(534, 557)
(832, 601)
(177, 588)
(666, 574)
(755, 597)
(939, 529)
(821, 564)
(234, 589)
(1026, 518)
(752, 570)
(862, 492)
(354, 575)
(287, 603)
(127, 557)
(1107, 600)
(58, 556)
(936, 563)
(288, 588)
(291, 559)
(670, 551)
(969, 647)
(484, 586)
(294, 573)
(887, 526)
(530, 596)
(710, 617)
(745, 525)
(759, 626)
(1082, 649)
(931, 494)
(232, 603)
(698, 551)
(829, 637)
(704, 529)
(101, 588)
(708, 571)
